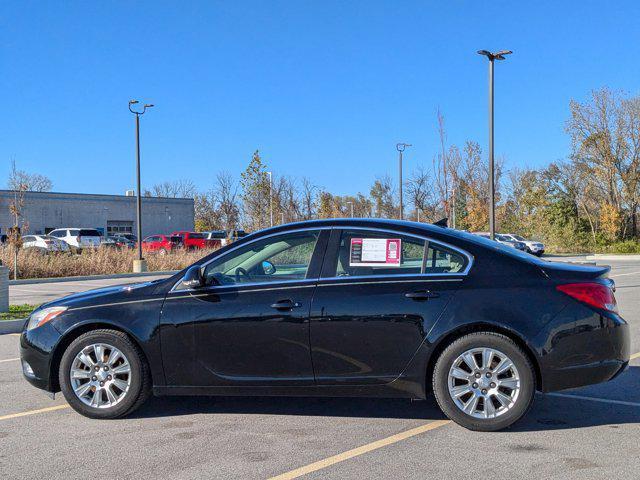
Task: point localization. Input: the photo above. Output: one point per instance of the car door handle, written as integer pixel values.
(422, 295)
(285, 305)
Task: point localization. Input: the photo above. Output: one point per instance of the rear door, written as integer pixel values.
(379, 294)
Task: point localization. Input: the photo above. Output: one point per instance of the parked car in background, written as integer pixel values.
(129, 236)
(501, 239)
(161, 244)
(78, 238)
(220, 235)
(535, 248)
(44, 243)
(124, 242)
(115, 241)
(505, 240)
(195, 240)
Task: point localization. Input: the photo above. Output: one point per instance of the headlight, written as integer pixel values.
(43, 316)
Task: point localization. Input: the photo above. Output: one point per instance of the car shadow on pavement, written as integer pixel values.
(548, 412)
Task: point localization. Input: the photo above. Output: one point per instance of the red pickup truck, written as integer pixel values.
(161, 243)
(195, 241)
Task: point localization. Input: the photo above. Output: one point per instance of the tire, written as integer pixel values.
(507, 405)
(137, 379)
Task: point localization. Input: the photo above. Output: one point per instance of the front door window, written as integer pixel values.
(274, 259)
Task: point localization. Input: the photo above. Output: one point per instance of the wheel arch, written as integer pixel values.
(443, 342)
(74, 333)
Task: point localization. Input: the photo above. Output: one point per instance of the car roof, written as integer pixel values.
(458, 238)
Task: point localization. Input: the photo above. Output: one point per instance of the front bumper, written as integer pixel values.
(36, 355)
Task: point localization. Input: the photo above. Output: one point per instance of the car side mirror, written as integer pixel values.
(268, 268)
(193, 278)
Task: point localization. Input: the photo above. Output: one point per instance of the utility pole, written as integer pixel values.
(400, 147)
(270, 199)
(351, 205)
(492, 197)
(139, 265)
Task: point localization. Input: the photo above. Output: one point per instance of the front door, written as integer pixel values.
(250, 325)
(379, 295)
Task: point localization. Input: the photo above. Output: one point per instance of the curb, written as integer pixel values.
(24, 281)
(11, 326)
(613, 257)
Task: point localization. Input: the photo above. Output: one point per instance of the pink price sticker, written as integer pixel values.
(372, 252)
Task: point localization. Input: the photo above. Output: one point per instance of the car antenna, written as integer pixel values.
(443, 222)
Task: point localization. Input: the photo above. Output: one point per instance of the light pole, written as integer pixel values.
(270, 199)
(400, 147)
(140, 265)
(492, 199)
(351, 205)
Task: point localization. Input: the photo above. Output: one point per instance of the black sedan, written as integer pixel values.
(343, 307)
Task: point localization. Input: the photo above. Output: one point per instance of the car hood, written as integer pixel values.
(129, 291)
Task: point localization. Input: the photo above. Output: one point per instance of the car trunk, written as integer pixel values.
(575, 271)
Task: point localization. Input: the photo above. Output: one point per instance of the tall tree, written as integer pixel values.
(255, 194)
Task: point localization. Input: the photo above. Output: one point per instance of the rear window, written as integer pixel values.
(88, 232)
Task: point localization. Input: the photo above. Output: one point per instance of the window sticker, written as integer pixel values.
(375, 252)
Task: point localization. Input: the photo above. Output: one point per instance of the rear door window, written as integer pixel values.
(375, 253)
(363, 253)
(443, 260)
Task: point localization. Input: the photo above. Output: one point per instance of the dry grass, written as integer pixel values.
(103, 261)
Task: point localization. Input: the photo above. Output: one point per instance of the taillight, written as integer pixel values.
(594, 294)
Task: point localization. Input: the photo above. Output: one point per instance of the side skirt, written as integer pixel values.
(395, 389)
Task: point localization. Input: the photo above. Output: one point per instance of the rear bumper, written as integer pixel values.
(596, 352)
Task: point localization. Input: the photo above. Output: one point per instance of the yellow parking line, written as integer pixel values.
(341, 457)
(634, 356)
(10, 360)
(33, 412)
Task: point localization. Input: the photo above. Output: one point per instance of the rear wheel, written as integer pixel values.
(103, 374)
(484, 381)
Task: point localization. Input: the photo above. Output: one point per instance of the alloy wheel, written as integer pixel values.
(100, 375)
(484, 382)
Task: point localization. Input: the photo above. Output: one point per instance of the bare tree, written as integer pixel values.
(308, 199)
(29, 182)
(177, 189)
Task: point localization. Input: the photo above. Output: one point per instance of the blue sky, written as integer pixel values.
(322, 89)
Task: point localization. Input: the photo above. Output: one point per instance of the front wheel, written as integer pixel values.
(484, 381)
(103, 374)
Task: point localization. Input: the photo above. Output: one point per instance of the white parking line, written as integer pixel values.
(10, 360)
(624, 274)
(594, 399)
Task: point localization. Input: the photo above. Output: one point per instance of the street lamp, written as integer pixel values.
(140, 265)
(270, 199)
(400, 147)
(492, 199)
(351, 205)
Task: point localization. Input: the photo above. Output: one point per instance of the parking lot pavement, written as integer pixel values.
(37, 293)
(589, 433)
